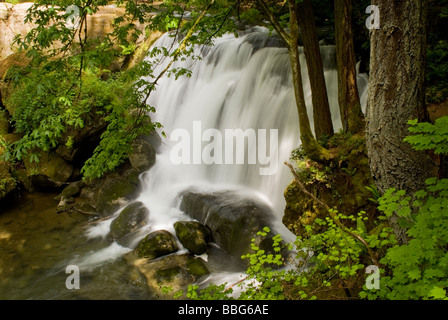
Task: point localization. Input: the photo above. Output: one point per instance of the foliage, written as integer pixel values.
(67, 83)
(334, 259)
(428, 136)
(52, 107)
(437, 72)
(419, 268)
(324, 264)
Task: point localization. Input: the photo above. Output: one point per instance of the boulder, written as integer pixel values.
(233, 220)
(175, 272)
(71, 190)
(112, 193)
(143, 155)
(193, 235)
(50, 171)
(156, 244)
(7, 181)
(130, 219)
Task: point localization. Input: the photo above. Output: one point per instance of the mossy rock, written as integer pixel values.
(233, 220)
(130, 219)
(156, 244)
(71, 190)
(174, 271)
(7, 180)
(4, 122)
(143, 155)
(193, 235)
(197, 267)
(112, 193)
(341, 184)
(50, 170)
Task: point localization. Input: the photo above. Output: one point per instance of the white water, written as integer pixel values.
(238, 84)
(234, 86)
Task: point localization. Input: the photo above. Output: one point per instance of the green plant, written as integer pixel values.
(428, 136)
(52, 107)
(376, 194)
(322, 264)
(419, 268)
(437, 72)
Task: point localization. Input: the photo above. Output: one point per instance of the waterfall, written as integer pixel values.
(241, 83)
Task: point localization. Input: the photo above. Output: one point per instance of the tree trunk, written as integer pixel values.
(349, 104)
(323, 124)
(309, 143)
(396, 95)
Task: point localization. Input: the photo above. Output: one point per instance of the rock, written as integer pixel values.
(7, 181)
(112, 193)
(175, 272)
(143, 155)
(156, 244)
(71, 190)
(233, 220)
(4, 121)
(130, 219)
(193, 235)
(65, 204)
(50, 171)
(12, 23)
(5, 9)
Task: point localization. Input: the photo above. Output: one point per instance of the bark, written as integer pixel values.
(396, 95)
(309, 143)
(323, 124)
(348, 95)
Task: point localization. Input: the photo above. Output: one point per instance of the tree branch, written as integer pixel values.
(275, 23)
(332, 214)
(181, 48)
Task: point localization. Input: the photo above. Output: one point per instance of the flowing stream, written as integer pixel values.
(240, 83)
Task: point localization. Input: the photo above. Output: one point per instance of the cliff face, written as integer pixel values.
(12, 23)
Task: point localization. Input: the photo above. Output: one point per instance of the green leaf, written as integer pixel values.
(437, 293)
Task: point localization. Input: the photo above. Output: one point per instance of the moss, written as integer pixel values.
(193, 236)
(129, 220)
(50, 165)
(196, 267)
(167, 275)
(340, 183)
(156, 244)
(112, 192)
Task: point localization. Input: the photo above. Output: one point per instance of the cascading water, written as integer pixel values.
(241, 83)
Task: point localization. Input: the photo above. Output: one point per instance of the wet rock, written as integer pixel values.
(71, 190)
(232, 219)
(143, 155)
(193, 235)
(130, 219)
(175, 272)
(112, 193)
(156, 244)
